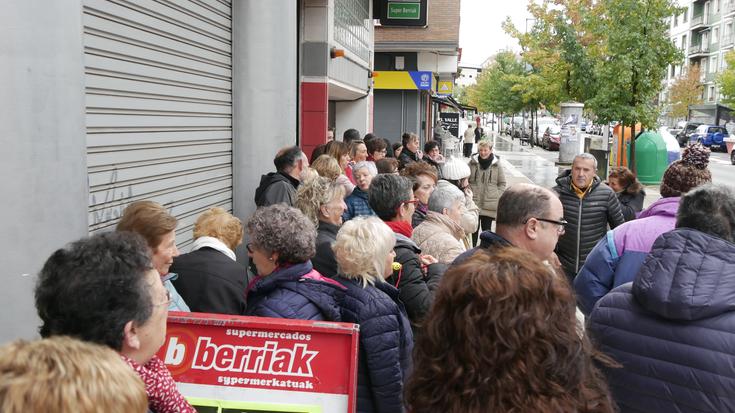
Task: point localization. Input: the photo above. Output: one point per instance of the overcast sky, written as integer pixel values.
(480, 31)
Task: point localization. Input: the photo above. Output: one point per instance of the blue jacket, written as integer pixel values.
(386, 342)
(673, 328)
(295, 292)
(618, 256)
(357, 205)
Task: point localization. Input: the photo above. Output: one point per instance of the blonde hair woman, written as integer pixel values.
(210, 280)
(327, 167)
(364, 252)
(321, 200)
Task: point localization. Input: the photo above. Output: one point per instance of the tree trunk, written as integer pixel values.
(633, 166)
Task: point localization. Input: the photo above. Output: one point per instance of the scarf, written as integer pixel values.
(401, 227)
(163, 396)
(214, 244)
(485, 163)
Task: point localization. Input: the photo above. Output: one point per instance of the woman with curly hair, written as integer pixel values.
(321, 200)
(502, 337)
(364, 251)
(629, 191)
(327, 167)
(282, 242)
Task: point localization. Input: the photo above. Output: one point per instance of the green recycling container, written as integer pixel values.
(651, 157)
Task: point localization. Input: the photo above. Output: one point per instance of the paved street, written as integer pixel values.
(537, 165)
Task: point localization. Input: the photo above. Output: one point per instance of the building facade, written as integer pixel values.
(412, 64)
(184, 103)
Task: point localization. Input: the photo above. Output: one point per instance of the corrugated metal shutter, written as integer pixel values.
(159, 107)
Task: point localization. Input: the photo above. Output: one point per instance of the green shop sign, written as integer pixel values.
(404, 11)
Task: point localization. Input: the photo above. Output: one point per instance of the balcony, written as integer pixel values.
(698, 49)
(710, 77)
(697, 22)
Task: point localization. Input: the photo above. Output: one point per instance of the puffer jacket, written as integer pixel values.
(631, 204)
(440, 237)
(587, 219)
(324, 261)
(295, 292)
(415, 284)
(276, 188)
(357, 205)
(386, 342)
(487, 185)
(672, 328)
(616, 259)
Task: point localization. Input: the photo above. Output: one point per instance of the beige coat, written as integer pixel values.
(487, 185)
(440, 237)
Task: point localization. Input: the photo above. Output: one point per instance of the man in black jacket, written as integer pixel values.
(589, 206)
(392, 199)
(280, 186)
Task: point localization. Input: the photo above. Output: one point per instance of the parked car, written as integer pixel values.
(710, 136)
(541, 126)
(552, 138)
(686, 132)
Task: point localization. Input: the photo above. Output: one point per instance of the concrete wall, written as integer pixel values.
(42, 136)
(265, 91)
(354, 115)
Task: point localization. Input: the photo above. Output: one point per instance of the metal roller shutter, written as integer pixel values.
(158, 107)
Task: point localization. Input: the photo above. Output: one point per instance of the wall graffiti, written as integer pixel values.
(113, 200)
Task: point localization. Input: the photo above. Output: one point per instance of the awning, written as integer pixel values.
(446, 100)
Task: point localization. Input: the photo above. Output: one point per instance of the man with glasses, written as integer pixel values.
(529, 217)
(589, 206)
(392, 198)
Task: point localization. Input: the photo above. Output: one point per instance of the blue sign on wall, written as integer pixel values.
(422, 79)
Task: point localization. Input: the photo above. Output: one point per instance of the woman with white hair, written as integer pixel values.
(456, 173)
(357, 203)
(364, 251)
(441, 235)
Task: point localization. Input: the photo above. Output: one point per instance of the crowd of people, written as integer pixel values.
(471, 294)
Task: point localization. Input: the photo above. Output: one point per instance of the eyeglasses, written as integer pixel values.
(561, 224)
(413, 201)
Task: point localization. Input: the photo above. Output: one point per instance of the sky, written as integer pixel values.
(480, 31)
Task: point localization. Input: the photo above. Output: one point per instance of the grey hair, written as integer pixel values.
(521, 202)
(285, 230)
(444, 196)
(710, 209)
(361, 247)
(370, 166)
(586, 155)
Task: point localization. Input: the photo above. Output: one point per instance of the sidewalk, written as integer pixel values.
(537, 166)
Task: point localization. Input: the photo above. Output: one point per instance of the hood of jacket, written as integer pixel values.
(403, 241)
(269, 179)
(443, 223)
(565, 181)
(475, 159)
(301, 278)
(687, 276)
(662, 207)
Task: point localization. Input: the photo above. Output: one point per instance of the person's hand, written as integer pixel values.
(419, 154)
(468, 192)
(428, 260)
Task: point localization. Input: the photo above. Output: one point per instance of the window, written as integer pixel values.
(685, 15)
(711, 94)
(676, 20)
(715, 35)
(717, 6)
(684, 42)
(712, 64)
(673, 70)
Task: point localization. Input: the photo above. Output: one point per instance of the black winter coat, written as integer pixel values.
(631, 204)
(587, 219)
(386, 342)
(673, 328)
(276, 188)
(406, 157)
(416, 288)
(324, 260)
(210, 282)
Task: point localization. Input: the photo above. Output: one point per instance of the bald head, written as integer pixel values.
(523, 214)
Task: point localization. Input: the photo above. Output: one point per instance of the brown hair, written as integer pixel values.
(414, 169)
(220, 224)
(337, 149)
(387, 165)
(626, 179)
(65, 375)
(502, 336)
(327, 167)
(375, 145)
(148, 219)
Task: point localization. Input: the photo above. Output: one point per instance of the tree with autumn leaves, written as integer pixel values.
(611, 55)
(685, 91)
